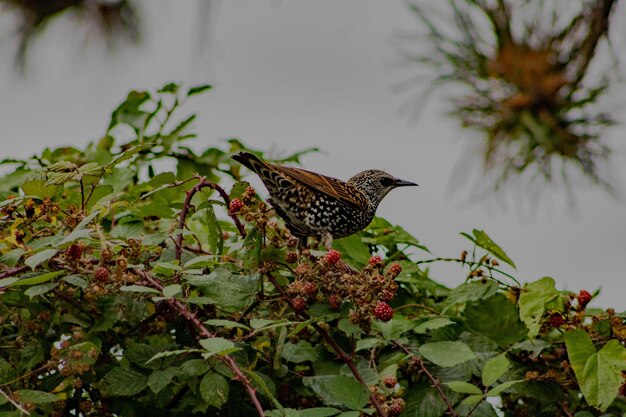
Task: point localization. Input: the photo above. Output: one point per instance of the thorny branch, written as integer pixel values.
(187, 205)
(343, 355)
(204, 332)
(433, 380)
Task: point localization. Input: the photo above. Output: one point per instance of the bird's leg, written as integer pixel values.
(327, 240)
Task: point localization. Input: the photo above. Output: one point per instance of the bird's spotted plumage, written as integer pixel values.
(316, 205)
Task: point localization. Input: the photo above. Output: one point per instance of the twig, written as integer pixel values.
(183, 214)
(203, 331)
(344, 357)
(470, 263)
(14, 271)
(430, 376)
(15, 403)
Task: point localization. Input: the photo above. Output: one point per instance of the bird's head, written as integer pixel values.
(376, 184)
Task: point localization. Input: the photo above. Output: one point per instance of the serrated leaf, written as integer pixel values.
(35, 260)
(497, 390)
(38, 279)
(194, 367)
(40, 289)
(257, 323)
(217, 346)
(300, 352)
(432, 324)
(338, 390)
(12, 257)
(447, 353)
(139, 289)
(160, 378)
(124, 382)
(39, 189)
(214, 389)
(76, 280)
(535, 299)
(494, 368)
(463, 387)
(36, 397)
(228, 291)
(172, 290)
(497, 318)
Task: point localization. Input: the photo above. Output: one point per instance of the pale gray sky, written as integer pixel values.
(295, 74)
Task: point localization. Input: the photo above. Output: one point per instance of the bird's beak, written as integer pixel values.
(402, 183)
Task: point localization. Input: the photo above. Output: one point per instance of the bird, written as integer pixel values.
(315, 205)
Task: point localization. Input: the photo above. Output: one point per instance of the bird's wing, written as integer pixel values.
(332, 187)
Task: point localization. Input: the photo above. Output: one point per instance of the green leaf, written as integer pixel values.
(194, 367)
(229, 324)
(39, 189)
(98, 194)
(172, 290)
(229, 292)
(535, 299)
(162, 179)
(257, 323)
(40, 257)
(37, 397)
(353, 248)
(472, 291)
(597, 373)
(319, 412)
(494, 368)
(338, 390)
(38, 279)
(214, 389)
(40, 289)
(217, 346)
(160, 378)
(447, 353)
(139, 289)
(12, 257)
(496, 318)
(300, 352)
(497, 390)
(463, 387)
(432, 324)
(123, 382)
(483, 240)
(198, 89)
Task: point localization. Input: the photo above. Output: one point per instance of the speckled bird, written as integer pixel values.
(319, 206)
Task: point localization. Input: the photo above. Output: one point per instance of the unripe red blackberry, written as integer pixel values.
(250, 191)
(301, 269)
(556, 319)
(375, 260)
(102, 274)
(291, 257)
(394, 270)
(396, 407)
(235, 206)
(299, 304)
(386, 295)
(75, 251)
(309, 288)
(390, 381)
(334, 301)
(383, 311)
(583, 298)
(332, 256)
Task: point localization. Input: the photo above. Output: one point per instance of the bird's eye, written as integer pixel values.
(386, 182)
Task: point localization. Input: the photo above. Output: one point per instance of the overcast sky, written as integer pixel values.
(295, 74)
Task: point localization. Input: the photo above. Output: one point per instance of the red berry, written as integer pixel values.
(383, 311)
(556, 319)
(394, 270)
(583, 298)
(334, 301)
(299, 304)
(386, 295)
(332, 256)
(376, 260)
(74, 252)
(235, 206)
(309, 288)
(390, 381)
(250, 191)
(102, 274)
(396, 407)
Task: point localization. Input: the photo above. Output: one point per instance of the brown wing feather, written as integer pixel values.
(332, 187)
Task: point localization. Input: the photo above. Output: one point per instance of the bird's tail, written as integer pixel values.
(250, 161)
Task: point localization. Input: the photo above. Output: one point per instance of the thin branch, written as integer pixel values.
(430, 376)
(14, 271)
(183, 214)
(14, 403)
(470, 263)
(203, 331)
(343, 355)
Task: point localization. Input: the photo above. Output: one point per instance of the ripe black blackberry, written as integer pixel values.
(316, 205)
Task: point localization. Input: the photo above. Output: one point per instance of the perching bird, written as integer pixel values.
(316, 205)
